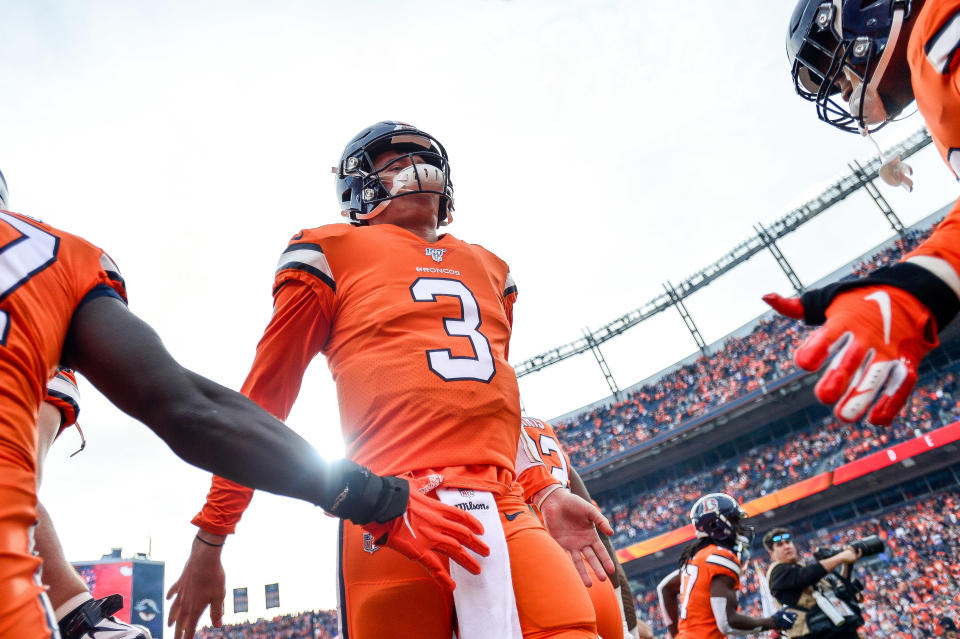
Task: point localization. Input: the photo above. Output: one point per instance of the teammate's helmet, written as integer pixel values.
(719, 517)
(4, 195)
(361, 192)
(867, 38)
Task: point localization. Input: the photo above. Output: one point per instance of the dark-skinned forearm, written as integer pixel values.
(206, 424)
(745, 622)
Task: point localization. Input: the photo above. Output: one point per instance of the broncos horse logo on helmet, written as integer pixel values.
(830, 41)
(719, 517)
(360, 190)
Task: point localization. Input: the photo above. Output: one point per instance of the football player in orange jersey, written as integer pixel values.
(699, 600)
(62, 300)
(415, 327)
(862, 63)
(615, 619)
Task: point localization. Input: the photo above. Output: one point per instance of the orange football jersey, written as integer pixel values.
(556, 464)
(62, 392)
(45, 274)
(416, 337)
(935, 76)
(696, 615)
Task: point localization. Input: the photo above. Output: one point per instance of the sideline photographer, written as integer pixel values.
(825, 599)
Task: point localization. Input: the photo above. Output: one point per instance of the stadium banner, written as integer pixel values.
(789, 494)
(105, 578)
(146, 598)
(272, 594)
(774, 500)
(240, 600)
(895, 454)
(654, 544)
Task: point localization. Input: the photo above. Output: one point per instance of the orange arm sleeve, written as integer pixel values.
(297, 331)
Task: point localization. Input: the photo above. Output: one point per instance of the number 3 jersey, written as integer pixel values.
(45, 275)
(416, 337)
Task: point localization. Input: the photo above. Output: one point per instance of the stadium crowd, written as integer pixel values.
(738, 366)
(315, 624)
(820, 447)
(910, 590)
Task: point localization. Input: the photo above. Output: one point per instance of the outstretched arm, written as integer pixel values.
(723, 600)
(203, 423)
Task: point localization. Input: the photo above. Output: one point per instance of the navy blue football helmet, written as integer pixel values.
(361, 192)
(865, 37)
(719, 517)
(4, 195)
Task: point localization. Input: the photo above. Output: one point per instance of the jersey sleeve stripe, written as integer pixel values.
(63, 385)
(66, 399)
(111, 269)
(726, 563)
(510, 288)
(310, 258)
(941, 48)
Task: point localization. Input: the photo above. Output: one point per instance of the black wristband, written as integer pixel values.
(357, 494)
(209, 543)
(930, 290)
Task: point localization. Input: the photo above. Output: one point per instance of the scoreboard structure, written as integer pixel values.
(139, 581)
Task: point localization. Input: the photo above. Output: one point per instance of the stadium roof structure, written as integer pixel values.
(860, 176)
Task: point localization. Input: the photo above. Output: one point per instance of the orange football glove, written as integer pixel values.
(874, 338)
(429, 528)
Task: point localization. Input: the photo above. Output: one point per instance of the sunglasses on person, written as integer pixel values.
(780, 539)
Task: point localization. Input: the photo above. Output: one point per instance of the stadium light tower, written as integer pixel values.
(598, 354)
(687, 319)
(771, 244)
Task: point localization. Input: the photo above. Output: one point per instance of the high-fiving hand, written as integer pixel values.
(429, 528)
(872, 342)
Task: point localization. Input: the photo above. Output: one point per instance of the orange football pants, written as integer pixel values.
(24, 608)
(384, 594)
(606, 606)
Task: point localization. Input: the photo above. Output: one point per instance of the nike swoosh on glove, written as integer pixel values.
(429, 528)
(784, 618)
(874, 338)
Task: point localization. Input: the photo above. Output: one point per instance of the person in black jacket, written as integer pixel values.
(803, 587)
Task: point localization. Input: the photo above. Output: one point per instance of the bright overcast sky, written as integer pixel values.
(601, 147)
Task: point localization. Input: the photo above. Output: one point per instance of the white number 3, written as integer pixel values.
(450, 368)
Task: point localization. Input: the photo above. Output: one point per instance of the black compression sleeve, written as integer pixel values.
(929, 290)
(353, 492)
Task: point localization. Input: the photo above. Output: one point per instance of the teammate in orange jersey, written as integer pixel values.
(614, 619)
(62, 300)
(415, 328)
(863, 63)
(699, 600)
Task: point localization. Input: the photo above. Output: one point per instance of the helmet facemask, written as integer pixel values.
(427, 171)
(826, 53)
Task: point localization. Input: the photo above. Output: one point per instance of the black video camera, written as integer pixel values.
(867, 546)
